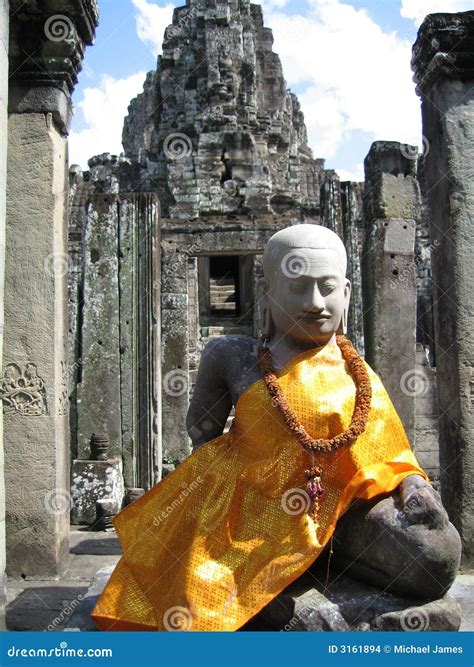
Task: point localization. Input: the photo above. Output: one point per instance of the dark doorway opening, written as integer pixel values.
(224, 286)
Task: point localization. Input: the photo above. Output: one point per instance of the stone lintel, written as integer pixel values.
(24, 98)
(444, 48)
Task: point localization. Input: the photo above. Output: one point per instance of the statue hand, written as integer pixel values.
(421, 504)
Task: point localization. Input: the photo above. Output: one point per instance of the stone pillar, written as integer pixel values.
(175, 353)
(353, 230)
(4, 25)
(391, 209)
(98, 392)
(443, 62)
(45, 55)
(140, 341)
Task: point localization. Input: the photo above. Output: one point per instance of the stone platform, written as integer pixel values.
(343, 604)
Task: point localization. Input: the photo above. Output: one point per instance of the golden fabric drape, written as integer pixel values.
(217, 539)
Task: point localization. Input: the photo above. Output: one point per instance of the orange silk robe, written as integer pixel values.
(221, 536)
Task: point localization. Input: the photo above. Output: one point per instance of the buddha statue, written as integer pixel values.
(316, 453)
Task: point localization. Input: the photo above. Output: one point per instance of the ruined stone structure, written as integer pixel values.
(222, 143)
(160, 250)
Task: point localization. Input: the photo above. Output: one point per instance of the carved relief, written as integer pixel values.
(23, 392)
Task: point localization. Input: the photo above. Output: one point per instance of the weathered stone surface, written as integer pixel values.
(353, 234)
(344, 604)
(389, 273)
(81, 621)
(426, 444)
(443, 62)
(92, 481)
(4, 31)
(37, 440)
(230, 138)
(98, 392)
(114, 296)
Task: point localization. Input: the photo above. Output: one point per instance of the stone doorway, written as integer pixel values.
(226, 295)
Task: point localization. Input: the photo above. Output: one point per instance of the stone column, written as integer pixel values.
(352, 223)
(98, 392)
(45, 55)
(391, 209)
(4, 24)
(175, 352)
(443, 62)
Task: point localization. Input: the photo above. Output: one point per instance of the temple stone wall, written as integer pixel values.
(446, 87)
(4, 30)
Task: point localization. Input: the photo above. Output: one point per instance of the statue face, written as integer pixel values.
(308, 296)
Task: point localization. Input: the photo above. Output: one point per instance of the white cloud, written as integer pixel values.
(104, 109)
(152, 20)
(356, 174)
(353, 76)
(418, 9)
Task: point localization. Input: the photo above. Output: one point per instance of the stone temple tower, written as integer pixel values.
(217, 128)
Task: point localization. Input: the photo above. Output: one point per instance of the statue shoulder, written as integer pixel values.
(226, 351)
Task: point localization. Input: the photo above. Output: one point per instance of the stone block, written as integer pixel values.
(92, 481)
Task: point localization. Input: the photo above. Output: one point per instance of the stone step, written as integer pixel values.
(308, 605)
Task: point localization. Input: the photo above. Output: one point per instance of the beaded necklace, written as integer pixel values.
(314, 487)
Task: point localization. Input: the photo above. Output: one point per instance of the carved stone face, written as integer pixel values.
(307, 303)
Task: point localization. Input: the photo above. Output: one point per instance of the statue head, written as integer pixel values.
(306, 290)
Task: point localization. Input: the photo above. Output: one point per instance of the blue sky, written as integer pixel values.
(348, 62)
